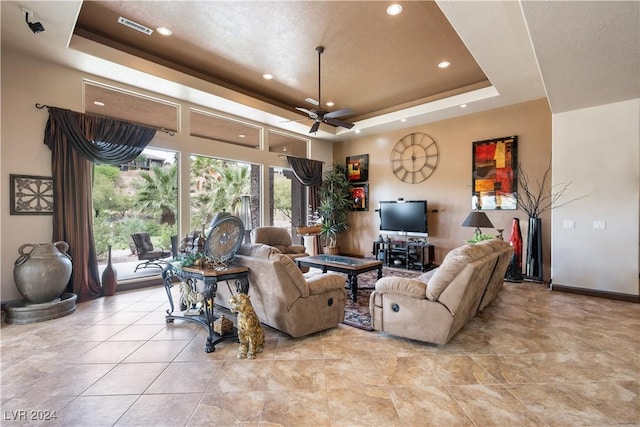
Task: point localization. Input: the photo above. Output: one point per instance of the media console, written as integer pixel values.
(405, 254)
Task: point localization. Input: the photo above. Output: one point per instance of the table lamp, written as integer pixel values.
(478, 220)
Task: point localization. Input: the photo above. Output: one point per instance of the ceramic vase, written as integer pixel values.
(109, 278)
(514, 271)
(42, 271)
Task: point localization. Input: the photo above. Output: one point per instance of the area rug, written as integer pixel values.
(356, 313)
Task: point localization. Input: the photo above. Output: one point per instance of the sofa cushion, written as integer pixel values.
(455, 261)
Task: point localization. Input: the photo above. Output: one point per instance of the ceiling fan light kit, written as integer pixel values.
(318, 115)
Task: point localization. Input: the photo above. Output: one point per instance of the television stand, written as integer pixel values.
(405, 254)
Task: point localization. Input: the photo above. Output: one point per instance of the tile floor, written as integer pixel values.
(533, 357)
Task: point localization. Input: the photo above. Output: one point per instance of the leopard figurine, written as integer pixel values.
(250, 332)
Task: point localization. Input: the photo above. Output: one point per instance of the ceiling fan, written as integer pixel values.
(323, 116)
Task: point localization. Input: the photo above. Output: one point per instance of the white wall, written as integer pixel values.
(27, 81)
(598, 150)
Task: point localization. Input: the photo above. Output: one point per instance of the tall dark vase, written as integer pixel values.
(109, 278)
(533, 263)
(514, 271)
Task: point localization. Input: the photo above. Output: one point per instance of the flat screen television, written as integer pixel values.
(402, 217)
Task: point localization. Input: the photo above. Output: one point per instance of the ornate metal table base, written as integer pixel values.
(210, 278)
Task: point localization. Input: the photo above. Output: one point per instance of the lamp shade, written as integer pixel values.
(478, 220)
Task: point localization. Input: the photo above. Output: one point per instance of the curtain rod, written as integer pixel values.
(296, 157)
(170, 132)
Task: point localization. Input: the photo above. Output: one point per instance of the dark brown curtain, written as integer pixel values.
(76, 141)
(309, 173)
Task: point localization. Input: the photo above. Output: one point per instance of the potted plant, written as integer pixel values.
(335, 201)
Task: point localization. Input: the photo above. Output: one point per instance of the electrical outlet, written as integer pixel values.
(569, 224)
(599, 225)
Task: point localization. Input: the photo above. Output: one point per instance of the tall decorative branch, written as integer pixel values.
(536, 201)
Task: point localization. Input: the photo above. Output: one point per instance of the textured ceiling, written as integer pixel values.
(577, 54)
(372, 62)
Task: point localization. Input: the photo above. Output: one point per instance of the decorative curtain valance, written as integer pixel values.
(307, 171)
(77, 141)
(99, 139)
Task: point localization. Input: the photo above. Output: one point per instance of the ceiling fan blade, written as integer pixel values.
(339, 113)
(336, 122)
(315, 127)
(310, 113)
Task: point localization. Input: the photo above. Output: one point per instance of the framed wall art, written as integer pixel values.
(359, 197)
(494, 177)
(358, 168)
(31, 195)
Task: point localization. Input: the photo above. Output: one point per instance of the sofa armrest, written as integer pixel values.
(295, 249)
(402, 286)
(321, 283)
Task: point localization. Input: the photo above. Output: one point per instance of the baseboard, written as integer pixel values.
(596, 293)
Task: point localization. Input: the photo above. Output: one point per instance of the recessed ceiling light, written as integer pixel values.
(394, 9)
(330, 104)
(164, 31)
(284, 149)
(357, 130)
(403, 120)
(242, 136)
(98, 103)
(463, 106)
(267, 76)
(444, 64)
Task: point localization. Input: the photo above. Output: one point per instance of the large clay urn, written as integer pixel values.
(42, 271)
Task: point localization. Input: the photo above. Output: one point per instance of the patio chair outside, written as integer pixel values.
(151, 257)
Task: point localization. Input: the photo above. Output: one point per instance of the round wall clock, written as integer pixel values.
(225, 238)
(414, 158)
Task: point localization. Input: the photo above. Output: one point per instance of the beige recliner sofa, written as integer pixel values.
(283, 297)
(436, 305)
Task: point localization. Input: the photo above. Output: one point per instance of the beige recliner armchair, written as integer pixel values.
(436, 305)
(279, 238)
(283, 297)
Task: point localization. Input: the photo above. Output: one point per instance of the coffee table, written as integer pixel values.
(342, 264)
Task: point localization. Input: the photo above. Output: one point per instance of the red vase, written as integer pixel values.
(514, 272)
(109, 278)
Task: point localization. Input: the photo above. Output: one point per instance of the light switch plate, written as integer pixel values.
(599, 225)
(568, 223)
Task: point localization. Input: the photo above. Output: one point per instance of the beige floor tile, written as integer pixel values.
(137, 332)
(156, 351)
(405, 371)
(122, 318)
(87, 411)
(110, 352)
(428, 406)
(492, 405)
(68, 381)
(299, 348)
(456, 370)
(296, 408)
(160, 410)
(229, 409)
(242, 375)
(128, 378)
(185, 377)
(352, 373)
(306, 374)
(368, 406)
